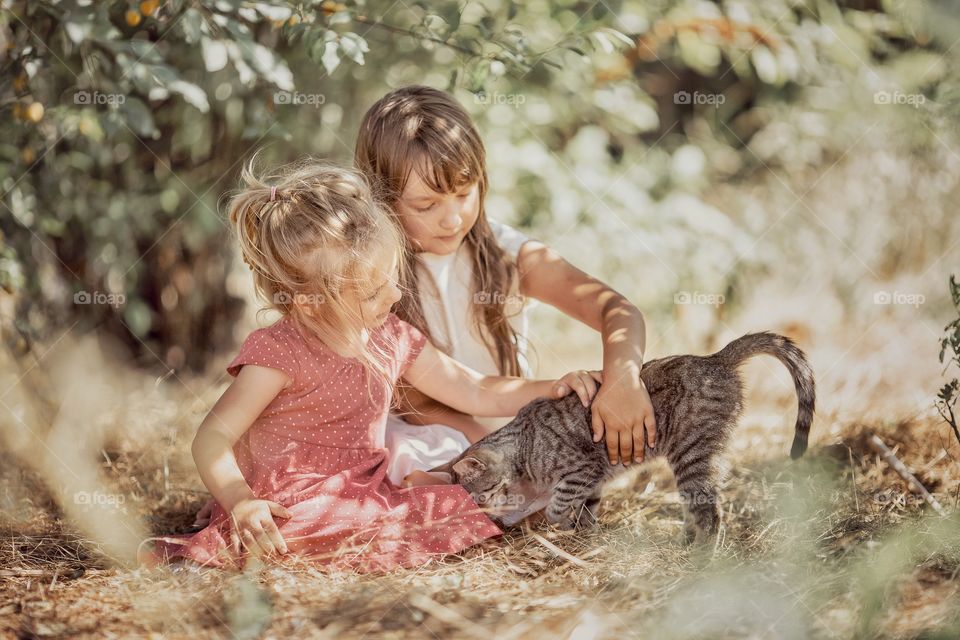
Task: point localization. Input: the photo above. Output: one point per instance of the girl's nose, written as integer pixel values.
(452, 220)
(395, 293)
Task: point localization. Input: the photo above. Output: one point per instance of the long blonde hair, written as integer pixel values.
(423, 129)
(310, 232)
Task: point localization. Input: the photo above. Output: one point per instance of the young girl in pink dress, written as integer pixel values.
(293, 452)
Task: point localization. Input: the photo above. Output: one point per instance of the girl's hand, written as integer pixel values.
(203, 516)
(623, 409)
(583, 382)
(253, 525)
(424, 479)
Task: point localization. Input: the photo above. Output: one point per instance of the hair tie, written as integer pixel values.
(273, 194)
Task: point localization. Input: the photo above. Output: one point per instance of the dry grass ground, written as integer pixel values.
(831, 546)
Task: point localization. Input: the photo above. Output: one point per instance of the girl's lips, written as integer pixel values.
(452, 236)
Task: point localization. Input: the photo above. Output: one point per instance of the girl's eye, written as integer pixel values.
(427, 208)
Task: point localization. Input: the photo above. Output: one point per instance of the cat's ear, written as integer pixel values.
(469, 468)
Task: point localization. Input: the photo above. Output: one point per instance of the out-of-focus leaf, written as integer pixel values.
(137, 315)
(78, 31)
(327, 51)
(192, 25)
(193, 94)
(699, 55)
(353, 46)
(340, 17)
(267, 64)
(214, 54)
(765, 64)
(138, 117)
(272, 11)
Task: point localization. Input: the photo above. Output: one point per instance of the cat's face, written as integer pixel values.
(490, 480)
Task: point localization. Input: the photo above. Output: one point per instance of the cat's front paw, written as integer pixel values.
(566, 524)
(563, 521)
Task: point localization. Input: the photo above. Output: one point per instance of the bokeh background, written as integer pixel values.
(790, 165)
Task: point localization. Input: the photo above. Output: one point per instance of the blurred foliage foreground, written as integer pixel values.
(124, 123)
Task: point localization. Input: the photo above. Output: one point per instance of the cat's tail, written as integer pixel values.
(784, 350)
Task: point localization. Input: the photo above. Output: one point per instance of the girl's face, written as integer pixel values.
(377, 295)
(437, 222)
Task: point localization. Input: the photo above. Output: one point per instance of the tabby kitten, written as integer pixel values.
(546, 457)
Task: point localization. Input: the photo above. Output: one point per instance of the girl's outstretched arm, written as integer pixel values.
(415, 407)
(623, 409)
(236, 410)
(458, 386)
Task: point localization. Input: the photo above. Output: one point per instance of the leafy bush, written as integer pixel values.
(950, 349)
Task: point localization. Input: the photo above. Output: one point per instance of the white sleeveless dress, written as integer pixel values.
(445, 284)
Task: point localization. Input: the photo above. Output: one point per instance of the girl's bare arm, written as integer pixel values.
(244, 400)
(417, 408)
(622, 409)
(464, 389)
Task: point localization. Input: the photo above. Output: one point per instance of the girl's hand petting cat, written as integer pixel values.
(624, 411)
(583, 383)
(253, 526)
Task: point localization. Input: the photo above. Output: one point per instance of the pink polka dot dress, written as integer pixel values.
(318, 449)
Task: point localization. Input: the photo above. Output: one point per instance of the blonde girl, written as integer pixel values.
(293, 451)
(469, 276)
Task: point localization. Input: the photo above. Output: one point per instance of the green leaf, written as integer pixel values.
(340, 17)
(353, 46)
(273, 12)
(214, 54)
(451, 14)
(191, 93)
(765, 64)
(624, 39)
(703, 57)
(78, 31)
(267, 64)
(327, 51)
(330, 57)
(137, 315)
(138, 117)
(192, 25)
